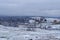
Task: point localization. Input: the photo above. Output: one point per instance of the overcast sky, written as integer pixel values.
(30, 7)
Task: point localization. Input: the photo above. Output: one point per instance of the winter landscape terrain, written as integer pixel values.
(29, 19)
(32, 30)
(11, 33)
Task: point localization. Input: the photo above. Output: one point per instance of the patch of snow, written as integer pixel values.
(3, 39)
(12, 33)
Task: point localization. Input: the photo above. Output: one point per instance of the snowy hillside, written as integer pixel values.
(30, 29)
(12, 33)
(52, 19)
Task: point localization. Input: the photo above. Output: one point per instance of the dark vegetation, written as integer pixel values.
(17, 20)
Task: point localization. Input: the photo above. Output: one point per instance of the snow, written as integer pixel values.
(55, 26)
(16, 33)
(52, 19)
(3, 39)
(31, 21)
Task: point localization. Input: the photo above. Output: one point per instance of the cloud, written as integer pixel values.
(54, 13)
(30, 7)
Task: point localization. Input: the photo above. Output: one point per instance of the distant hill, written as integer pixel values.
(26, 16)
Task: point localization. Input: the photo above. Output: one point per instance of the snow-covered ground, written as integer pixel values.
(13, 33)
(52, 19)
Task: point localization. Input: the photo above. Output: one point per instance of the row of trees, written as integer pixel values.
(12, 21)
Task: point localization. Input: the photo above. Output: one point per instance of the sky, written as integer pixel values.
(30, 8)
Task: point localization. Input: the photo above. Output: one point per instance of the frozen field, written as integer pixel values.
(12, 33)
